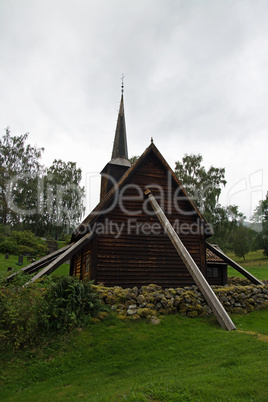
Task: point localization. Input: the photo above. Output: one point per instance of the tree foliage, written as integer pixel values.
(19, 171)
(203, 186)
(133, 159)
(241, 242)
(63, 200)
(46, 201)
(260, 216)
(226, 220)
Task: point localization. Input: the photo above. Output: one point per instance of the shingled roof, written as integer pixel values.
(211, 257)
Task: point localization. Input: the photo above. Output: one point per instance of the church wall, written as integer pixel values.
(136, 258)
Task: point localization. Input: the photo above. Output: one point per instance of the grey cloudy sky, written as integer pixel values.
(195, 80)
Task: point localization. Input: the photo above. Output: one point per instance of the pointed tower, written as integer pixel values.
(119, 163)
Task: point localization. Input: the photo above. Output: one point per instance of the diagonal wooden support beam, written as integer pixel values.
(210, 297)
(233, 264)
(35, 266)
(63, 257)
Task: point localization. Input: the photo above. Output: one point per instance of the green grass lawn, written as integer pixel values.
(11, 262)
(181, 359)
(256, 263)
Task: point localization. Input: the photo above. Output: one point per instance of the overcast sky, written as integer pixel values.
(196, 80)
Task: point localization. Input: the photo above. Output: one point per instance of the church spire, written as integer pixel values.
(120, 153)
(119, 163)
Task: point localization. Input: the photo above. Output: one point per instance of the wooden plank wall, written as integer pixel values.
(86, 262)
(76, 264)
(135, 259)
(81, 263)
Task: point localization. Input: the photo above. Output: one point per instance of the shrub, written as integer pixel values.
(8, 246)
(23, 242)
(25, 238)
(69, 301)
(41, 249)
(65, 237)
(25, 250)
(29, 314)
(20, 309)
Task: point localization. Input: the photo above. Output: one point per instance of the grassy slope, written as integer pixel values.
(256, 263)
(11, 262)
(181, 359)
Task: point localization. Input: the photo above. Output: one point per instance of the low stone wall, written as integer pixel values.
(239, 296)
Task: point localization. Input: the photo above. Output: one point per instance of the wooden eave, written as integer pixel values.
(91, 218)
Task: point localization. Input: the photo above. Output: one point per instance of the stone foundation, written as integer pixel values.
(239, 296)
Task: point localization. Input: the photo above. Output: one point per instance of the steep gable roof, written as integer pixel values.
(96, 212)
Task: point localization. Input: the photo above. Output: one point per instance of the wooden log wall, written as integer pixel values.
(81, 263)
(137, 258)
(86, 262)
(76, 264)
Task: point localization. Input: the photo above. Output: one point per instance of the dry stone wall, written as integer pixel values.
(239, 296)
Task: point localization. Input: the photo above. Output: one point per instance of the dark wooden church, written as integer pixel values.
(128, 247)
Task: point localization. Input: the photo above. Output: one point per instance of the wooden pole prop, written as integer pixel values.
(63, 257)
(233, 264)
(210, 297)
(44, 261)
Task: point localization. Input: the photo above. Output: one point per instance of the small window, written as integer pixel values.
(213, 272)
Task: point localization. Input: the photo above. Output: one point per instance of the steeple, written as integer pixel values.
(119, 162)
(120, 154)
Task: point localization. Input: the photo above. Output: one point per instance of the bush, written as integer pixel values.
(41, 249)
(20, 310)
(25, 250)
(65, 237)
(23, 242)
(8, 246)
(30, 314)
(25, 238)
(69, 302)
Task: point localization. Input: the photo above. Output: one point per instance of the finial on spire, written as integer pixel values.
(152, 140)
(122, 86)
